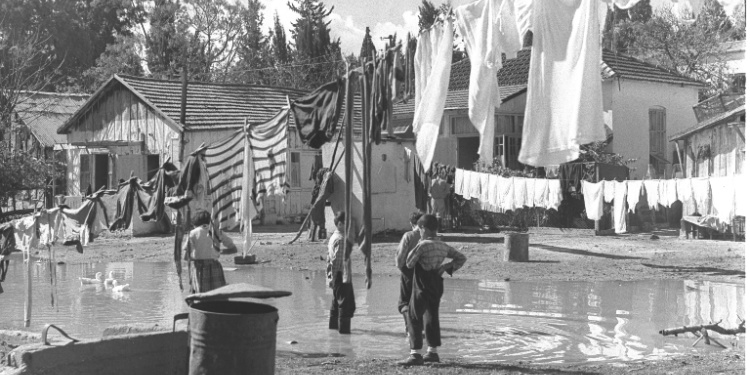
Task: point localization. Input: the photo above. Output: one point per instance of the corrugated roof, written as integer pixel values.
(45, 112)
(719, 118)
(209, 105)
(515, 71)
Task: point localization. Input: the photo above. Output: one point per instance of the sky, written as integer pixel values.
(384, 17)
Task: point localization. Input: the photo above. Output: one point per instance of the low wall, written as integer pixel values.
(155, 353)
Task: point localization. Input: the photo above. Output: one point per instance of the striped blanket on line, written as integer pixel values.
(225, 166)
(268, 142)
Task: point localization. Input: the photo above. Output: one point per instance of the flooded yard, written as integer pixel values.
(482, 320)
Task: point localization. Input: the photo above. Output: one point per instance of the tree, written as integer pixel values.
(694, 49)
(216, 25)
(738, 18)
(428, 14)
(121, 57)
(253, 50)
(74, 33)
(166, 39)
(620, 26)
(279, 44)
(317, 58)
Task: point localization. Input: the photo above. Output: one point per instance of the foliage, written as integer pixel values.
(166, 39)
(122, 57)
(694, 49)
(23, 171)
(253, 49)
(619, 32)
(71, 34)
(595, 152)
(280, 46)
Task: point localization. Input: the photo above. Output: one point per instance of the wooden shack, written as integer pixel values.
(132, 125)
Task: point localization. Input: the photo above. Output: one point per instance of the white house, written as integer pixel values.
(641, 103)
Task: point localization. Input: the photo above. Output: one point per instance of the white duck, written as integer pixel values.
(110, 280)
(96, 280)
(117, 287)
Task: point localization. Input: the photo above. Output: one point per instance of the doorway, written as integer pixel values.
(468, 148)
(101, 171)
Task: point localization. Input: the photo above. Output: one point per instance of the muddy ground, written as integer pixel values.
(554, 255)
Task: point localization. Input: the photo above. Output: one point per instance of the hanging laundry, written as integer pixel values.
(268, 142)
(530, 192)
(458, 186)
(571, 174)
(701, 193)
(722, 198)
(506, 192)
(564, 86)
(407, 161)
(523, 10)
(619, 207)
(484, 186)
(158, 188)
(652, 193)
(541, 192)
(488, 29)
(476, 185)
(593, 198)
(382, 98)
(609, 191)
(555, 196)
(432, 66)
(316, 115)
(667, 192)
(25, 232)
(49, 224)
(740, 198)
(397, 78)
(684, 190)
(519, 192)
(225, 165)
(494, 204)
(634, 193)
(421, 185)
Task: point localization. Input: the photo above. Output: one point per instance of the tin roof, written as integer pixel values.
(45, 112)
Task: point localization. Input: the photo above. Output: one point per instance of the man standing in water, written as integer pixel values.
(408, 242)
(427, 261)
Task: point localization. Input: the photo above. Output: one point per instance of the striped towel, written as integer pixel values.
(224, 162)
(268, 142)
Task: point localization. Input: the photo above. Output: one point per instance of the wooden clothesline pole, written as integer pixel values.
(348, 166)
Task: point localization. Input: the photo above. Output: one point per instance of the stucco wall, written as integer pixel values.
(392, 193)
(631, 101)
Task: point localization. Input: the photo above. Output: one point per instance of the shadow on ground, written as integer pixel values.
(709, 270)
(500, 367)
(580, 252)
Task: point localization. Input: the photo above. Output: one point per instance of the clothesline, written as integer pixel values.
(711, 196)
(500, 194)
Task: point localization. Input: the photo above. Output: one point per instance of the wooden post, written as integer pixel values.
(348, 162)
(183, 113)
(366, 170)
(596, 222)
(27, 303)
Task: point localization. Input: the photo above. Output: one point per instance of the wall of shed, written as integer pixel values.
(392, 186)
(120, 116)
(727, 152)
(631, 101)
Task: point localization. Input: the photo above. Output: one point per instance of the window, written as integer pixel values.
(294, 170)
(462, 125)
(152, 166)
(657, 119)
(85, 176)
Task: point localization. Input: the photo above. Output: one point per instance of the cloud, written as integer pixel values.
(351, 33)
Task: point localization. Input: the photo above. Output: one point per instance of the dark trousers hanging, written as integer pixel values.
(427, 290)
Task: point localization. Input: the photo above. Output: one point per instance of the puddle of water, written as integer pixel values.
(481, 321)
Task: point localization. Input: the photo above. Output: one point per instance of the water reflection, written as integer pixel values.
(482, 320)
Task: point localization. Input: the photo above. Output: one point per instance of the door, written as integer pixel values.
(101, 171)
(468, 147)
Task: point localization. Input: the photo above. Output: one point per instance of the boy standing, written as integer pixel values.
(427, 261)
(408, 242)
(339, 275)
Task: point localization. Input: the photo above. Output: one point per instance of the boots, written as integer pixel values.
(345, 325)
(333, 320)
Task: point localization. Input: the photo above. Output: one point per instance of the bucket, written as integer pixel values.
(229, 334)
(229, 337)
(516, 248)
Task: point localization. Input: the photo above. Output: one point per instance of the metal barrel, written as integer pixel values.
(232, 337)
